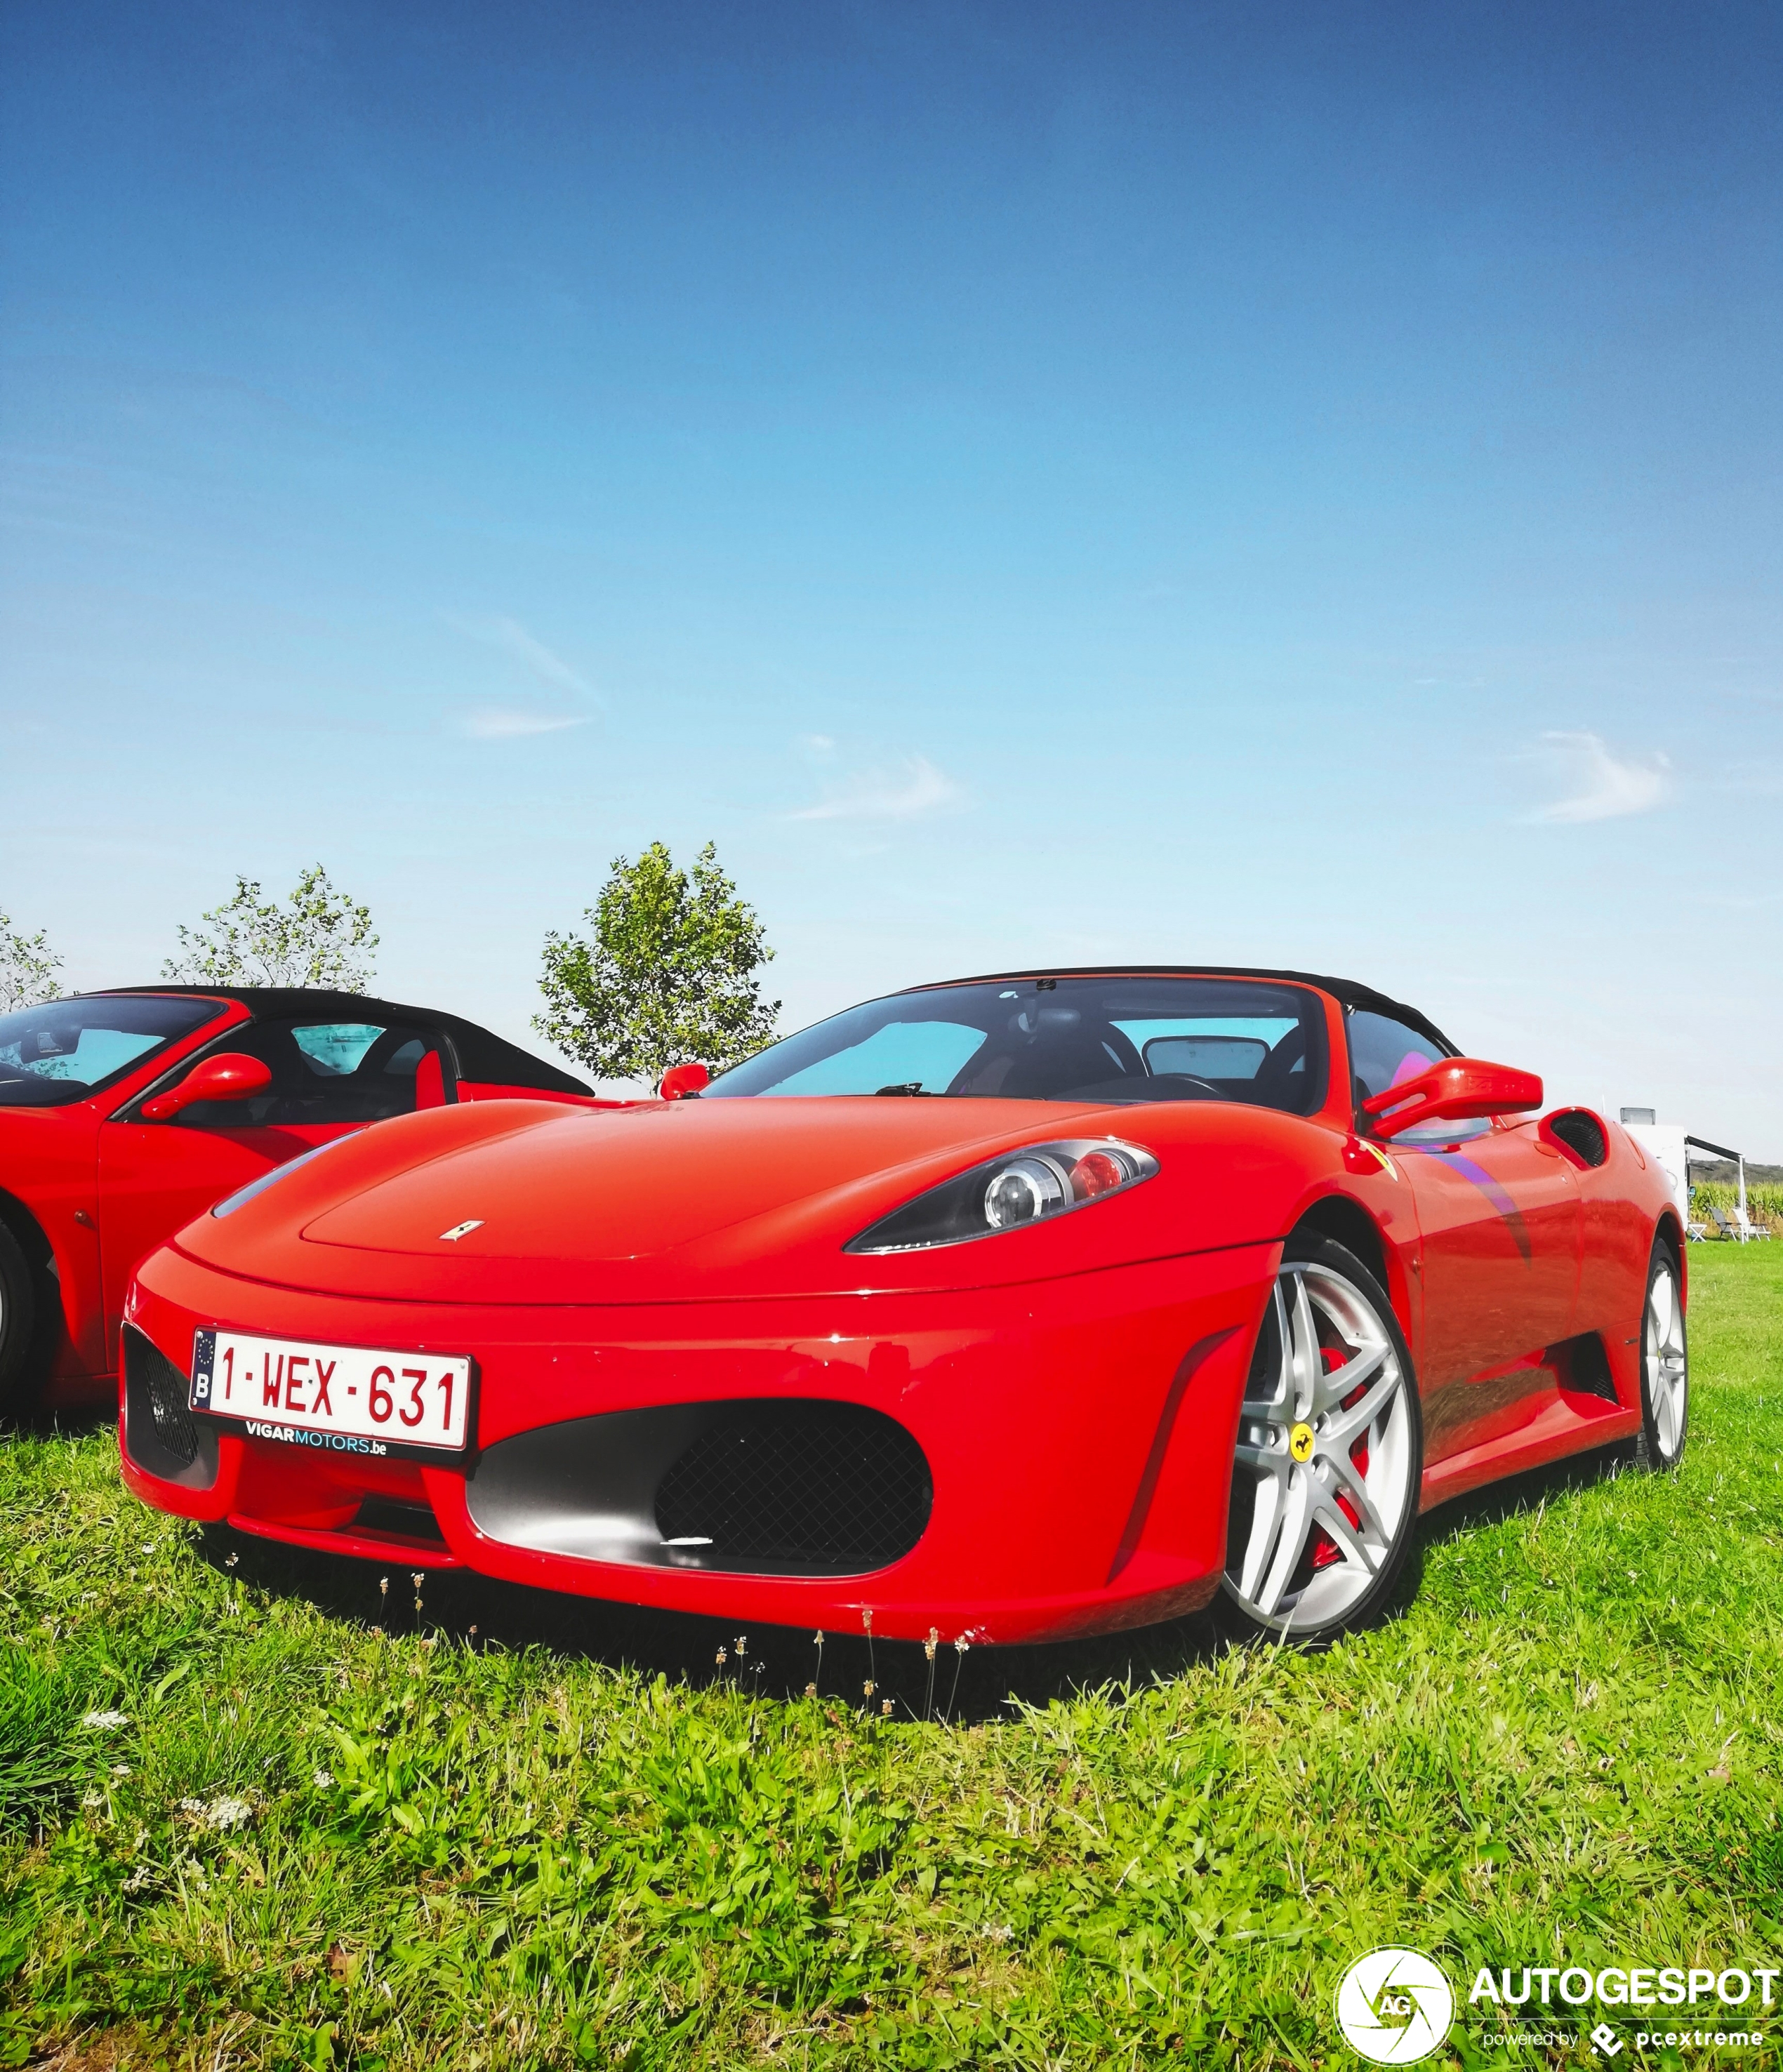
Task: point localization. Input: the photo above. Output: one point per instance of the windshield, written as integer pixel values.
(1078, 1039)
(52, 1055)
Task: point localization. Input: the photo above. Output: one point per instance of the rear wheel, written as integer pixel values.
(1327, 1469)
(1664, 1365)
(17, 1324)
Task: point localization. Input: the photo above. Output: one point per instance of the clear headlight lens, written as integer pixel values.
(1019, 1192)
(1030, 1186)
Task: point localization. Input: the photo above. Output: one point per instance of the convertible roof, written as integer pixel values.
(482, 1055)
(1345, 990)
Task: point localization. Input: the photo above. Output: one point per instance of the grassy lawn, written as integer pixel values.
(506, 1830)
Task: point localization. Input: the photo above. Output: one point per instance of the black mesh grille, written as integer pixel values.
(1583, 1132)
(154, 1378)
(823, 1488)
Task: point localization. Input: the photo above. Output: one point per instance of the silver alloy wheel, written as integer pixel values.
(1297, 1444)
(1666, 1363)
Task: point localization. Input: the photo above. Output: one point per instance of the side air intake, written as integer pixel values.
(1579, 1134)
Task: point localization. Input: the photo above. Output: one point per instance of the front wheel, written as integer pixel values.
(1329, 1458)
(1664, 1366)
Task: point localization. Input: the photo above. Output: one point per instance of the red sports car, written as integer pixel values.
(1005, 1309)
(124, 1114)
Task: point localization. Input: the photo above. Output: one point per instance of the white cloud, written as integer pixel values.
(499, 723)
(1606, 786)
(512, 638)
(907, 792)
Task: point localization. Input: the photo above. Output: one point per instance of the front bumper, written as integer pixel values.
(1077, 1432)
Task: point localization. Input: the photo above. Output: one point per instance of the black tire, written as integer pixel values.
(1313, 1605)
(1665, 1368)
(18, 1318)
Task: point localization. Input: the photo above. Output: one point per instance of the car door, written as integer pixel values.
(329, 1079)
(1500, 1231)
(64, 1066)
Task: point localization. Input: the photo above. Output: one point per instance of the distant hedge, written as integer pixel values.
(1764, 1204)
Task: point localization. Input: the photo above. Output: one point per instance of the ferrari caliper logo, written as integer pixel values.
(1299, 1442)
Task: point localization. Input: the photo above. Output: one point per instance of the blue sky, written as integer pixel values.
(1288, 485)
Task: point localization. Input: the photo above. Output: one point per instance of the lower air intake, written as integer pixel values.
(163, 1437)
(790, 1484)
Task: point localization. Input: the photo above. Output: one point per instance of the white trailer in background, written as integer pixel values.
(1669, 1145)
(1664, 1143)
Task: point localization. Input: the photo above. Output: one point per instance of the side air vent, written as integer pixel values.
(1579, 1132)
(161, 1435)
(1583, 1367)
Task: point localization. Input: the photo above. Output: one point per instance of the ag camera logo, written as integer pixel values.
(1394, 2006)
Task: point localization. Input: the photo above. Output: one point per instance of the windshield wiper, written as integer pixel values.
(910, 1088)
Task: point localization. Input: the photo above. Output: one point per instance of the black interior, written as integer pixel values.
(382, 1084)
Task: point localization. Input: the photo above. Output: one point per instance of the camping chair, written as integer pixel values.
(1723, 1223)
(1747, 1229)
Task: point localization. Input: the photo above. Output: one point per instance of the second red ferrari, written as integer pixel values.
(123, 1114)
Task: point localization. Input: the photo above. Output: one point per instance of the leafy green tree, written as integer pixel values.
(318, 937)
(28, 968)
(669, 971)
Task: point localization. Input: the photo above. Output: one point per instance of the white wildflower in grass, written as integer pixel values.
(323, 1780)
(105, 1721)
(194, 1806)
(120, 1769)
(93, 1799)
(224, 1814)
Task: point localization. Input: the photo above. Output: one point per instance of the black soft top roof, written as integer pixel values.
(1346, 991)
(482, 1055)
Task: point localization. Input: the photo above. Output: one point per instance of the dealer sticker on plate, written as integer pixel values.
(339, 1399)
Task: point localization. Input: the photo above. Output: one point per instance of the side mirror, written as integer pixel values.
(681, 1081)
(230, 1075)
(1458, 1090)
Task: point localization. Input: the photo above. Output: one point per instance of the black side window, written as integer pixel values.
(326, 1072)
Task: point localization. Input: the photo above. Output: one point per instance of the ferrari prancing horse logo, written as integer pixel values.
(1299, 1442)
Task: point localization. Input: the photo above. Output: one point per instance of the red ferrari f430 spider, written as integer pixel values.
(1007, 1309)
(124, 1114)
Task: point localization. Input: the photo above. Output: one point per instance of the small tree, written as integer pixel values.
(670, 974)
(28, 968)
(318, 937)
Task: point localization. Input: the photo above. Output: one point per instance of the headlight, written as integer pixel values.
(1030, 1186)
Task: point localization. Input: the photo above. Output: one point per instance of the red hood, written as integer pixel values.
(689, 1200)
(646, 1180)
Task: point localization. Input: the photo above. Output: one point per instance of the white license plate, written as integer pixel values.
(338, 1396)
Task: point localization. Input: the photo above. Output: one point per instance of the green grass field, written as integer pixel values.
(512, 1831)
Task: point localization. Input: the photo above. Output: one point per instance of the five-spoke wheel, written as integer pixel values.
(1664, 1365)
(1329, 1456)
